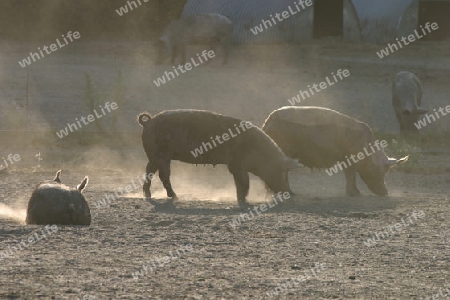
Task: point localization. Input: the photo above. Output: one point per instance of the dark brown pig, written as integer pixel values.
(202, 137)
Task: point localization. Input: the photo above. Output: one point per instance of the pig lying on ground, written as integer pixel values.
(321, 137)
(208, 28)
(407, 99)
(56, 203)
(173, 135)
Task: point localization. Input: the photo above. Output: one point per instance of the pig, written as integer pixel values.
(208, 28)
(179, 134)
(407, 99)
(320, 137)
(55, 203)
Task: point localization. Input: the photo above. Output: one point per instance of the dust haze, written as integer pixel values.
(114, 61)
(9, 213)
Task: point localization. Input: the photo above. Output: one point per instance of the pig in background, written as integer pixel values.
(210, 29)
(407, 99)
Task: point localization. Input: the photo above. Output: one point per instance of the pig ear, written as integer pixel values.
(57, 177)
(83, 184)
(394, 162)
(402, 160)
(421, 111)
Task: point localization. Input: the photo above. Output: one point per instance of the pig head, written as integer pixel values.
(407, 99)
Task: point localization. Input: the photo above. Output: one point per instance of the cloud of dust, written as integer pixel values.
(188, 181)
(18, 215)
(124, 161)
(191, 183)
(208, 183)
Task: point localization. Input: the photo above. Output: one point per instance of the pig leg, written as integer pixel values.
(183, 55)
(164, 175)
(399, 116)
(351, 189)
(213, 47)
(181, 49)
(175, 50)
(151, 169)
(242, 181)
(226, 44)
(400, 123)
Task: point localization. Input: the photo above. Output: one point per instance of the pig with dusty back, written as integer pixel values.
(55, 203)
(320, 137)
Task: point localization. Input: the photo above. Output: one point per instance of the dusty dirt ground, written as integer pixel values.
(318, 225)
